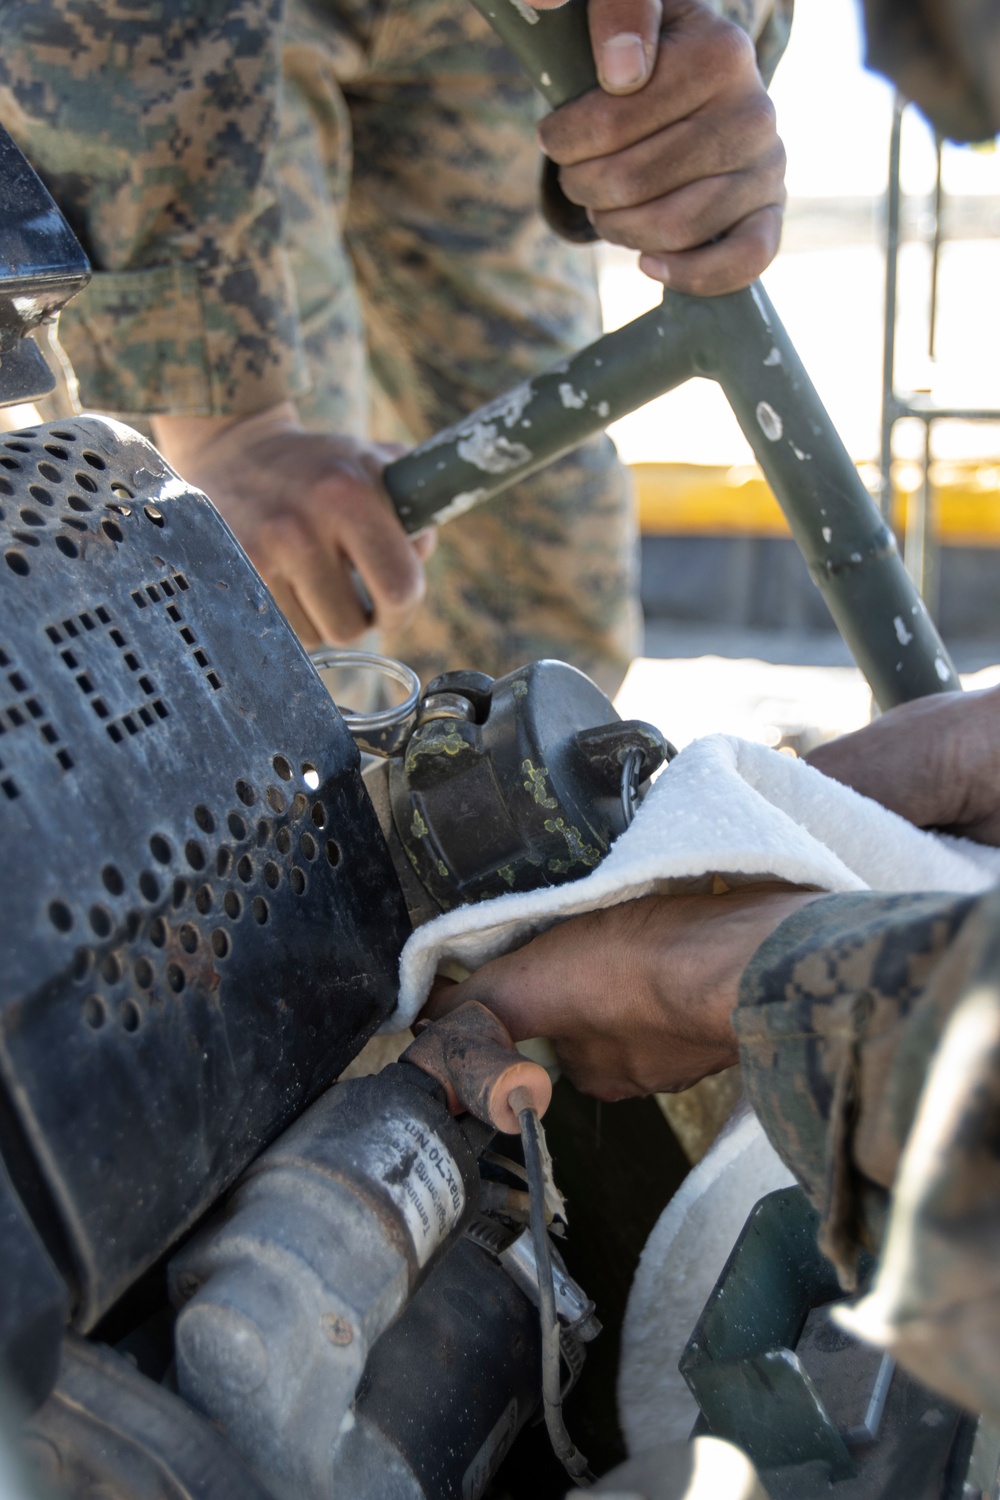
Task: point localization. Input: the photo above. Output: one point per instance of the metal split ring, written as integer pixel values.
(385, 732)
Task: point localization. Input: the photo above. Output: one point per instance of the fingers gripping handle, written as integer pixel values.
(471, 1054)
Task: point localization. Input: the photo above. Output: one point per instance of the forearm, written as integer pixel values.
(841, 1010)
(153, 126)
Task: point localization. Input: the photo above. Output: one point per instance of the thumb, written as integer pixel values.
(624, 35)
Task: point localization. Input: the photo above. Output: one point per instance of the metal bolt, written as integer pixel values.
(336, 1328)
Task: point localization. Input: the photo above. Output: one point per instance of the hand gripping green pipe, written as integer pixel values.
(737, 340)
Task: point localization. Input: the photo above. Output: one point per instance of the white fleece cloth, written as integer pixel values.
(728, 807)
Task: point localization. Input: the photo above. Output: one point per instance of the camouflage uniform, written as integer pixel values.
(380, 258)
(869, 1031)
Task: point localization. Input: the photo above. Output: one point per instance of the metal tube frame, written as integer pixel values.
(737, 340)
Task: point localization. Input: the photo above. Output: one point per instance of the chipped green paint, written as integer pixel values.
(506, 873)
(446, 742)
(520, 688)
(418, 827)
(579, 852)
(442, 869)
(535, 784)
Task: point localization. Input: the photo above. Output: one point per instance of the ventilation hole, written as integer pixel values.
(100, 921)
(187, 636)
(282, 767)
(85, 683)
(160, 849)
(86, 621)
(181, 582)
(179, 894)
(332, 852)
(27, 537)
(297, 880)
(115, 734)
(143, 971)
(117, 638)
(276, 799)
(39, 495)
(133, 925)
(122, 491)
(79, 504)
(94, 460)
(146, 716)
(232, 905)
(95, 1012)
(65, 437)
(34, 708)
(103, 615)
(67, 546)
(299, 804)
(167, 587)
(263, 832)
(176, 978)
(220, 943)
(194, 854)
(188, 937)
(131, 661)
(149, 885)
(17, 447)
(112, 531)
(319, 814)
(52, 631)
(213, 680)
(223, 862)
(130, 1016)
(244, 869)
(203, 899)
(86, 483)
(204, 819)
(10, 789)
(114, 884)
(15, 716)
(83, 962)
(49, 471)
(260, 909)
(154, 514)
(147, 686)
(283, 840)
(6, 488)
(201, 658)
(308, 845)
(160, 708)
(237, 827)
(246, 793)
(157, 932)
(111, 969)
(73, 521)
(100, 709)
(272, 874)
(56, 451)
(70, 660)
(17, 563)
(310, 775)
(173, 613)
(65, 760)
(9, 463)
(60, 916)
(31, 518)
(138, 599)
(17, 682)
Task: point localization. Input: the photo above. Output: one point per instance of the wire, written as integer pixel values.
(568, 1454)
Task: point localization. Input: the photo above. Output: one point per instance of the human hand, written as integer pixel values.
(935, 761)
(306, 508)
(637, 998)
(678, 155)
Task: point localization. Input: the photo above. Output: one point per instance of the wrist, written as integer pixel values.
(185, 440)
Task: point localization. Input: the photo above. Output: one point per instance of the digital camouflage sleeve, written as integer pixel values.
(153, 127)
(869, 1031)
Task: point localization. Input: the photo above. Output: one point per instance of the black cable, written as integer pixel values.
(568, 1454)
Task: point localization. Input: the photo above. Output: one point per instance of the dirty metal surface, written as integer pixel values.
(201, 920)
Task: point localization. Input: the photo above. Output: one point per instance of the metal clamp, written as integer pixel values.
(385, 732)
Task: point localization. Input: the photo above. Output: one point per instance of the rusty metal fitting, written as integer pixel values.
(471, 1055)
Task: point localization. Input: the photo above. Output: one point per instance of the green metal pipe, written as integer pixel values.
(737, 340)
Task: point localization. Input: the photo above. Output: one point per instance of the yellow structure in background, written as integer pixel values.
(703, 500)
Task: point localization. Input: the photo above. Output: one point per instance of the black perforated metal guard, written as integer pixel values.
(201, 922)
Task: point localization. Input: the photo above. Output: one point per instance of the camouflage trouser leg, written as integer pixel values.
(409, 135)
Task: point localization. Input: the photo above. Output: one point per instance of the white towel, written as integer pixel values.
(725, 806)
